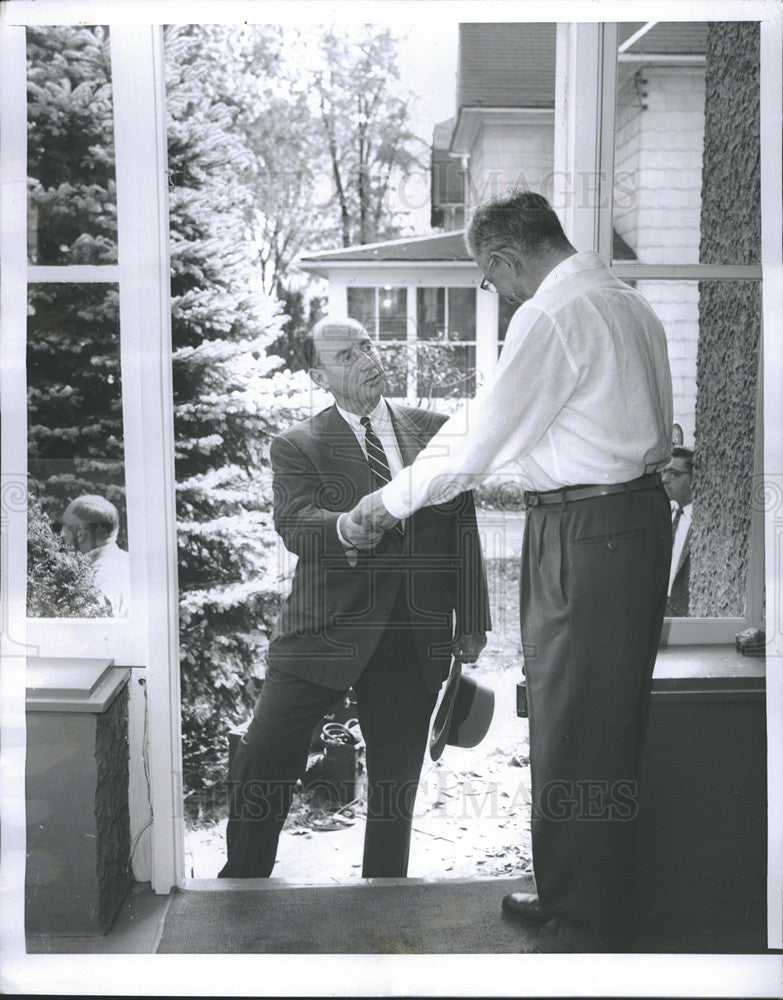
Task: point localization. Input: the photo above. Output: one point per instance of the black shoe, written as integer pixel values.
(566, 937)
(525, 907)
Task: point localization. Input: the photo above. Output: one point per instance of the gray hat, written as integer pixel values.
(463, 714)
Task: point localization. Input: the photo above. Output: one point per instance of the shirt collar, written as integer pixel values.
(379, 417)
(586, 261)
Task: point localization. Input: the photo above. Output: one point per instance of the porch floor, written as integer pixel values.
(393, 916)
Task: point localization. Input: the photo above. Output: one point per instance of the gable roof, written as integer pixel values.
(670, 38)
(506, 65)
(444, 247)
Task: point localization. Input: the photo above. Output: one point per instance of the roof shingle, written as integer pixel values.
(506, 65)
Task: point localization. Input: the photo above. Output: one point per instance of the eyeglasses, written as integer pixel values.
(486, 285)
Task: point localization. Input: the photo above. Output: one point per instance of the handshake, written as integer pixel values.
(365, 524)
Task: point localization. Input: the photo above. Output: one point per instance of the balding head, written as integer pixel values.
(342, 359)
(328, 329)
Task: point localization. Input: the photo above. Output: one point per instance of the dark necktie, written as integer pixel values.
(379, 464)
(676, 520)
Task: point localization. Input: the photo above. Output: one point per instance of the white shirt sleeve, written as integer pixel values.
(535, 376)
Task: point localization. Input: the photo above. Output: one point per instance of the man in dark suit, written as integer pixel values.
(678, 481)
(380, 612)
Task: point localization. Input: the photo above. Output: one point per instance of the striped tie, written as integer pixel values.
(379, 464)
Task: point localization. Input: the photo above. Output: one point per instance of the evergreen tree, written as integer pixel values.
(60, 583)
(73, 353)
(231, 394)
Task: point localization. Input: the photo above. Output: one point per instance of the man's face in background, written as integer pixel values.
(678, 480)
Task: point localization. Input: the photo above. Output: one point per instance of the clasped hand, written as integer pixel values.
(364, 526)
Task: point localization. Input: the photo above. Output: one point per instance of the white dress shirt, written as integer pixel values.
(678, 542)
(581, 394)
(112, 576)
(381, 423)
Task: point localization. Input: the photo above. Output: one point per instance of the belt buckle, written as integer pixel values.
(531, 500)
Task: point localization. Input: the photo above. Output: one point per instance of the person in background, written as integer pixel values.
(90, 525)
(678, 482)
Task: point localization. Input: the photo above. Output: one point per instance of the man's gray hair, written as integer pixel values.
(309, 344)
(523, 220)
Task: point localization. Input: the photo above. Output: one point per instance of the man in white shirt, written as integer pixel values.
(581, 407)
(91, 525)
(678, 481)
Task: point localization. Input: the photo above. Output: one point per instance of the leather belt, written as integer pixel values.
(567, 494)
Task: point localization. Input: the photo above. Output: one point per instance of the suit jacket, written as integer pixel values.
(335, 614)
(677, 603)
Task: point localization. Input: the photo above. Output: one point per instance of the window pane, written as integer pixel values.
(392, 313)
(430, 313)
(713, 332)
(72, 215)
(462, 314)
(361, 307)
(445, 371)
(687, 144)
(396, 361)
(75, 448)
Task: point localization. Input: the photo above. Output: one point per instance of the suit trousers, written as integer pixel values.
(592, 598)
(394, 707)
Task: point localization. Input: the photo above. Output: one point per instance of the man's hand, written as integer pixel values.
(372, 515)
(467, 647)
(355, 533)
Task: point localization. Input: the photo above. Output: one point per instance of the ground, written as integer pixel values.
(473, 807)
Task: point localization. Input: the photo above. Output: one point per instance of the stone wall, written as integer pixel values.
(112, 818)
(730, 323)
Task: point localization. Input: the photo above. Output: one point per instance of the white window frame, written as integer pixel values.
(585, 97)
(148, 639)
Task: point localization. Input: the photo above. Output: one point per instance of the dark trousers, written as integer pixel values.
(394, 707)
(593, 594)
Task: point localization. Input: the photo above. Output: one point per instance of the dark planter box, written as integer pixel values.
(78, 824)
(703, 812)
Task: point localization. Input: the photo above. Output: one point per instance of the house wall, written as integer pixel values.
(506, 155)
(659, 140)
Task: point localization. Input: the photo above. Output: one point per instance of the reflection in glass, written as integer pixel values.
(392, 313)
(72, 217)
(395, 358)
(713, 333)
(430, 313)
(687, 143)
(462, 313)
(75, 443)
(361, 307)
(445, 371)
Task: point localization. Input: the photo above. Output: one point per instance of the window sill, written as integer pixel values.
(694, 672)
(73, 685)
